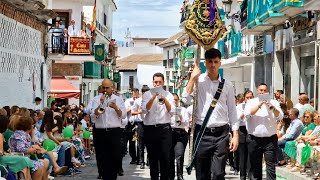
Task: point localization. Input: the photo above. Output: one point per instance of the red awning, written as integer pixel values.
(62, 88)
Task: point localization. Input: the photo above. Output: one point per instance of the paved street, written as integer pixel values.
(131, 172)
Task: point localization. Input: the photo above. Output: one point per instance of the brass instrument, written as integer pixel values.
(135, 135)
(103, 104)
(160, 100)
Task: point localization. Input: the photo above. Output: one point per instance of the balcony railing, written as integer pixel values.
(59, 43)
(103, 29)
(231, 48)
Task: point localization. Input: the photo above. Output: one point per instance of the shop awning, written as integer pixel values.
(62, 88)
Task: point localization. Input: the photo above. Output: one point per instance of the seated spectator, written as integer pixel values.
(306, 106)
(284, 99)
(14, 109)
(283, 124)
(20, 141)
(313, 139)
(292, 133)
(18, 164)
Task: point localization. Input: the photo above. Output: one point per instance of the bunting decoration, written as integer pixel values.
(204, 24)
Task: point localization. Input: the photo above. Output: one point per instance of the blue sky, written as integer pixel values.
(146, 18)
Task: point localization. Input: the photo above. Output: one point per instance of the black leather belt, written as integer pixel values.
(216, 129)
(158, 125)
(107, 129)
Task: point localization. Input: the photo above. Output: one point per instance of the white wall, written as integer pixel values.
(127, 51)
(20, 64)
(125, 80)
(142, 44)
(240, 77)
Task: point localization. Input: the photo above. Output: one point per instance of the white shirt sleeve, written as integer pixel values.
(232, 110)
(122, 107)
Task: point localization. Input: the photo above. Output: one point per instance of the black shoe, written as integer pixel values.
(99, 177)
(142, 166)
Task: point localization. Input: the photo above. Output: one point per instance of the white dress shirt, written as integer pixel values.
(225, 111)
(109, 119)
(264, 122)
(184, 122)
(73, 30)
(37, 107)
(129, 106)
(89, 109)
(240, 111)
(189, 112)
(158, 114)
(136, 107)
(124, 123)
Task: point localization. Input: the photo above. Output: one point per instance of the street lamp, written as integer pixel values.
(227, 10)
(84, 87)
(227, 6)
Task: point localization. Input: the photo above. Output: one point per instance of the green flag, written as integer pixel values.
(99, 52)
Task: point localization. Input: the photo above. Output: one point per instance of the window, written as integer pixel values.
(105, 19)
(131, 80)
(170, 63)
(165, 63)
(171, 89)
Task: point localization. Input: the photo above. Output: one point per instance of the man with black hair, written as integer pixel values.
(157, 129)
(132, 122)
(262, 139)
(37, 106)
(137, 110)
(212, 153)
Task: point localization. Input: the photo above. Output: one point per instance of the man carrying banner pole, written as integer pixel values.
(214, 103)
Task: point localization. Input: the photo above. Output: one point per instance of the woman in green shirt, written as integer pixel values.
(291, 146)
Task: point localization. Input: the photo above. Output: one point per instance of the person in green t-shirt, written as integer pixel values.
(308, 123)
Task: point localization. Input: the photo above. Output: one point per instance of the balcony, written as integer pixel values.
(62, 47)
(289, 7)
(103, 32)
(231, 48)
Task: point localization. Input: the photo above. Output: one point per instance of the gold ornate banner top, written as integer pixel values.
(198, 25)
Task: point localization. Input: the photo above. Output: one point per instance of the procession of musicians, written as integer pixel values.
(241, 130)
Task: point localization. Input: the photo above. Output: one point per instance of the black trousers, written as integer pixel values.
(179, 143)
(123, 146)
(212, 154)
(97, 151)
(158, 141)
(243, 152)
(259, 147)
(133, 147)
(108, 146)
(141, 143)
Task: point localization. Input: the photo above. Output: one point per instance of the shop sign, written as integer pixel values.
(79, 45)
